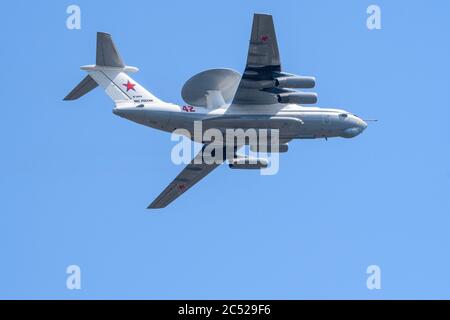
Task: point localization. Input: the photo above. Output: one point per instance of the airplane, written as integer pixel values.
(263, 97)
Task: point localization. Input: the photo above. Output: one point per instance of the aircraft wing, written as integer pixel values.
(263, 60)
(191, 174)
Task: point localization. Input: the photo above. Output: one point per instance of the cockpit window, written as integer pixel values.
(343, 115)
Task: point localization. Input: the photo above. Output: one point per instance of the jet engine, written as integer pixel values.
(297, 97)
(248, 163)
(295, 82)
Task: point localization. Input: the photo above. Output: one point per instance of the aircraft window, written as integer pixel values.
(343, 115)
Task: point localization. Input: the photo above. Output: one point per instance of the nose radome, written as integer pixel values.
(363, 125)
(351, 132)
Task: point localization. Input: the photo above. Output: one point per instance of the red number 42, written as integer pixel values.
(188, 108)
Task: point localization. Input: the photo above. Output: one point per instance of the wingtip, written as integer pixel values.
(260, 14)
(104, 33)
(154, 206)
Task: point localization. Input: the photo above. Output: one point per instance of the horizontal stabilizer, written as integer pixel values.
(107, 53)
(86, 85)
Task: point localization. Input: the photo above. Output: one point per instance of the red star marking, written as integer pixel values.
(264, 38)
(181, 187)
(129, 86)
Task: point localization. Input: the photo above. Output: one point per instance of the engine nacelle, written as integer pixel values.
(295, 82)
(297, 97)
(282, 147)
(248, 163)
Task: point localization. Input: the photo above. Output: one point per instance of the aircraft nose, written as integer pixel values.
(359, 126)
(351, 132)
(362, 125)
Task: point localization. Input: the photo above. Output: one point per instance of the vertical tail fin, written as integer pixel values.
(111, 74)
(107, 54)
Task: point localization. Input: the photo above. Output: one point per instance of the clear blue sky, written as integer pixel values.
(75, 179)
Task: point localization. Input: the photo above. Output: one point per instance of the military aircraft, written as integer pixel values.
(263, 97)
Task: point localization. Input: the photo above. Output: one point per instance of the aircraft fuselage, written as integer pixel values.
(293, 121)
